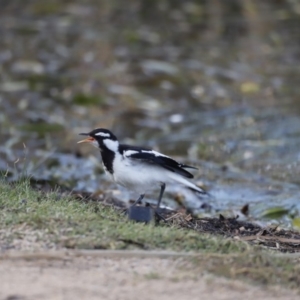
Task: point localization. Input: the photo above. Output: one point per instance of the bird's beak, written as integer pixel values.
(87, 140)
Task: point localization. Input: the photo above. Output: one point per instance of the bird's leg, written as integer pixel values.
(162, 189)
(139, 200)
(157, 214)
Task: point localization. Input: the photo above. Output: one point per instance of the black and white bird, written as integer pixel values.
(136, 168)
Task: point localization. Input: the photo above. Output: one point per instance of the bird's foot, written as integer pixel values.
(159, 217)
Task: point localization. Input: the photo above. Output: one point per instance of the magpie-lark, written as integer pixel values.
(137, 168)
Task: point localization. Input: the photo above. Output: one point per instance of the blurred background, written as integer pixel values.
(214, 83)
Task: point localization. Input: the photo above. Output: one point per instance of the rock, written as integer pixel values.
(151, 67)
(26, 66)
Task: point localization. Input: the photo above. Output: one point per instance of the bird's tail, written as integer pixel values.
(199, 190)
(188, 184)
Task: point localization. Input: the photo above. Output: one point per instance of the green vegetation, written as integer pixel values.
(58, 220)
(72, 223)
(83, 99)
(42, 128)
(275, 212)
(48, 8)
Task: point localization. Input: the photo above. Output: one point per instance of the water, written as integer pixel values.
(214, 84)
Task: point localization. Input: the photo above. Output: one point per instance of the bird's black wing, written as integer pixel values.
(153, 157)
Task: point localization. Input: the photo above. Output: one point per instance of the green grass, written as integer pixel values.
(57, 220)
(71, 223)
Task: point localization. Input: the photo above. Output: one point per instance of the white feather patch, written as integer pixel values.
(155, 153)
(104, 134)
(130, 152)
(111, 145)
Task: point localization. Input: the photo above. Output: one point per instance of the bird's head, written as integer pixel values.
(101, 138)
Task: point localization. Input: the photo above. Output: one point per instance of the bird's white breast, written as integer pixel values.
(137, 175)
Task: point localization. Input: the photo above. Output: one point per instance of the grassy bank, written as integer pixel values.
(31, 220)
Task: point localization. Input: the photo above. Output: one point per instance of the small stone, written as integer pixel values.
(155, 66)
(13, 86)
(24, 66)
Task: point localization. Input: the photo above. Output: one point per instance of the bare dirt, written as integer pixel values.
(63, 276)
